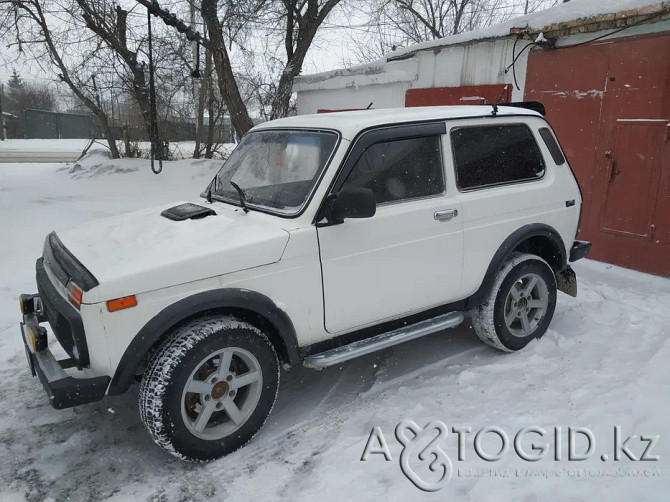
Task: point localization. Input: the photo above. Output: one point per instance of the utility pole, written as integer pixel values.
(197, 95)
(2, 116)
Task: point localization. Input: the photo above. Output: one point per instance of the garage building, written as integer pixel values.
(602, 70)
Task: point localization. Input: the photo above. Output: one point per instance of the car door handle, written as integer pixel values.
(445, 214)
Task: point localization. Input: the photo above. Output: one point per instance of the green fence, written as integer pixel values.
(53, 125)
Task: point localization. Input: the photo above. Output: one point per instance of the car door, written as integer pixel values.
(407, 257)
(506, 181)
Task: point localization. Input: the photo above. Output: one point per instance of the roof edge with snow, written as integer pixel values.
(571, 18)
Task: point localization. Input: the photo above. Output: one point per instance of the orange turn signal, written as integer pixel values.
(32, 338)
(75, 293)
(121, 303)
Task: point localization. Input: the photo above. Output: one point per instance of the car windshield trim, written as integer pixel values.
(218, 191)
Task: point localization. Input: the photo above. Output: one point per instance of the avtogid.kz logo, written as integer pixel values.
(426, 464)
(422, 444)
(421, 452)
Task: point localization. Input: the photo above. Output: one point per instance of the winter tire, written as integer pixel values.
(209, 389)
(520, 305)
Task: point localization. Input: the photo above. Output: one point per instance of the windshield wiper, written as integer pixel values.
(208, 193)
(243, 196)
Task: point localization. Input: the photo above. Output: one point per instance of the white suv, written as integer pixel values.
(321, 238)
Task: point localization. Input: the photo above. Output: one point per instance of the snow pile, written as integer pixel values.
(97, 162)
(602, 364)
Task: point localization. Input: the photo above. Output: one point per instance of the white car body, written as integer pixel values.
(330, 281)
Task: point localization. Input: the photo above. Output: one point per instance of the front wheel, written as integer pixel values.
(209, 389)
(520, 305)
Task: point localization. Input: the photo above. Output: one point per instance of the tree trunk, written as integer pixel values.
(199, 119)
(116, 41)
(209, 87)
(198, 89)
(109, 135)
(282, 99)
(307, 24)
(141, 93)
(226, 79)
(126, 141)
(211, 121)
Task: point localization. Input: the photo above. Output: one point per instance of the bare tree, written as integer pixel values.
(395, 23)
(110, 24)
(224, 69)
(27, 24)
(421, 20)
(300, 21)
(294, 23)
(372, 42)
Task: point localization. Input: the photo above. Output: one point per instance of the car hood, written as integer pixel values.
(143, 251)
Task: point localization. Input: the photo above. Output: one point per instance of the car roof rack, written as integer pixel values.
(536, 106)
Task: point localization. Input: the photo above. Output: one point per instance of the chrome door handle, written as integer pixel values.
(446, 214)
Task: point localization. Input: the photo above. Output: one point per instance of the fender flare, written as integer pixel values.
(507, 247)
(193, 306)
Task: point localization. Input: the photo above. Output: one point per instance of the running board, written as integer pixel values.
(383, 341)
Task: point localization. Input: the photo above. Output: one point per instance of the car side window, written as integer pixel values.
(552, 145)
(495, 155)
(400, 169)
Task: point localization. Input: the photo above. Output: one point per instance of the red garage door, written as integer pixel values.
(610, 105)
(465, 95)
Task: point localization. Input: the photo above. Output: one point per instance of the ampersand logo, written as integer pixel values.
(420, 447)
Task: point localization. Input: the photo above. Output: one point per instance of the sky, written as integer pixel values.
(331, 49)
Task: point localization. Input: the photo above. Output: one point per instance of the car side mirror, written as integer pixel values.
(350, 202)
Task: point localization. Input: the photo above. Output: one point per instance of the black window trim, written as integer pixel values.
(409, 199)
(384, 134)
(494, 185)
(445, 120)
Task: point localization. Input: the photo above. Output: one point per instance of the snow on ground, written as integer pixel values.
(69, 150)
(43, 145)
(602, 364)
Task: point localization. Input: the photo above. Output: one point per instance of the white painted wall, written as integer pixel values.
(478, 57)
(468, 62)
(384, 83)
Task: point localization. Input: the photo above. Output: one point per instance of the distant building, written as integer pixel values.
(602, 69)
(10, 124)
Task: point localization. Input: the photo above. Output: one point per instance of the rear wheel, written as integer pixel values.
(210, 388)
(520, 305)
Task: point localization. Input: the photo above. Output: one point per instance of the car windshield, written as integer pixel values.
(276, 169)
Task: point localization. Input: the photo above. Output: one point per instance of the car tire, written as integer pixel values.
(209, 389)
(520, 305)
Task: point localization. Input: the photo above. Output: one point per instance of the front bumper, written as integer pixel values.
(64, 390)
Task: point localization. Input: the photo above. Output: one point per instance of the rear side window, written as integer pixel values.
(400, 169)
(495, 155)
(552, 145)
